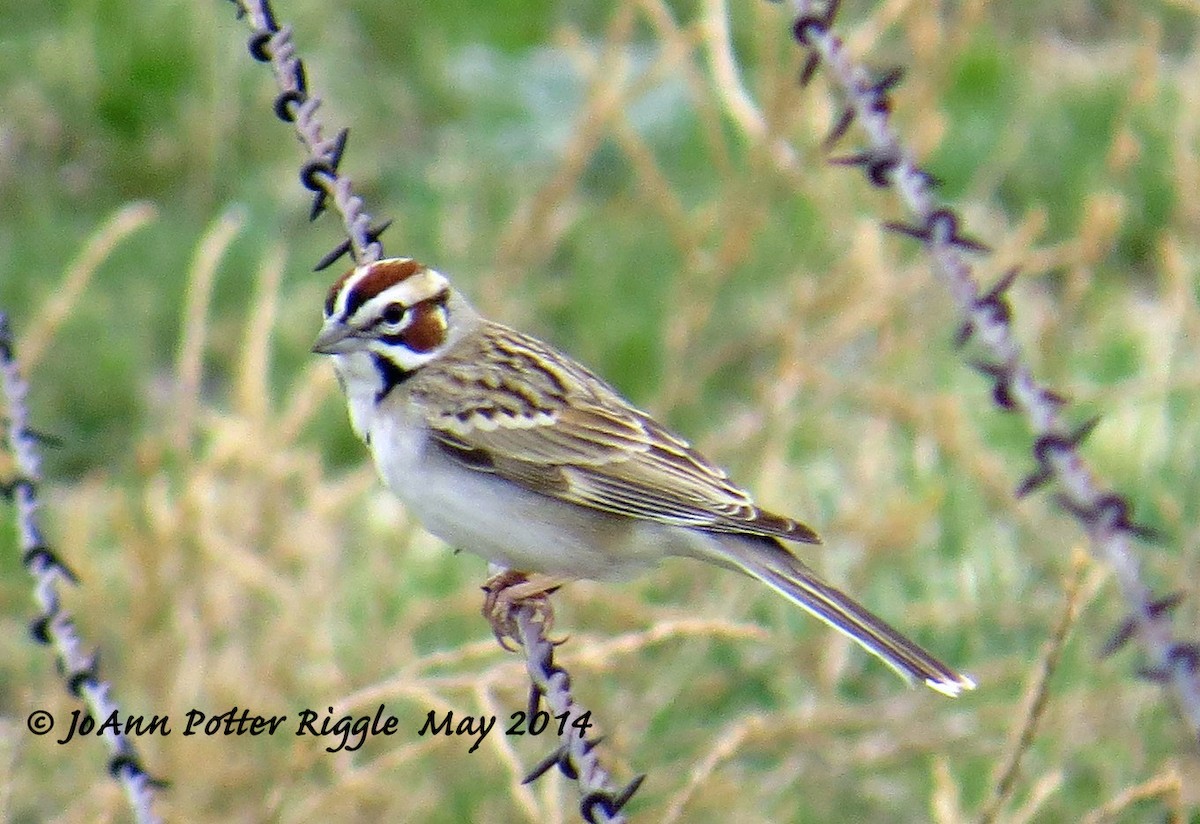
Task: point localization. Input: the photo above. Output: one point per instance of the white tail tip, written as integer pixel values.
(951, 688)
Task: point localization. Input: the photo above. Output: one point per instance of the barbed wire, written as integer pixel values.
(575, 756)
(53, 626)
(600, 802)
(272, 44)
(1104, 514)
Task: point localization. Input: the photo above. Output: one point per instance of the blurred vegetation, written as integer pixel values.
(576, 168)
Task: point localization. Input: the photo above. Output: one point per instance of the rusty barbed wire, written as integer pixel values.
(53, 626)
(600, 803)
(271, 43)
(1105, 515)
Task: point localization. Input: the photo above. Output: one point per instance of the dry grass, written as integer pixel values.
(683, 234)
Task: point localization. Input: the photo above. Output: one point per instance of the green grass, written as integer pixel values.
(252, 559)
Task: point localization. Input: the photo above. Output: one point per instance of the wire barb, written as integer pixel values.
(327, 165)
(994, 302)
(345, 247)
(941, 225)
(1128, 628)
(40, 559)
(42, 439)
(84, 676)
(808, 26)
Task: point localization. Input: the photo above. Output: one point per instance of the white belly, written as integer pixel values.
(503, 522)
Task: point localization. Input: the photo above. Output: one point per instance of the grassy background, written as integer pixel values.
(575, 168)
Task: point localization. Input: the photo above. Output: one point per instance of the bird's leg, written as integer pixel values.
(510, 590)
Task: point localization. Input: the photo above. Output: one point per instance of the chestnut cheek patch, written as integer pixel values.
(428, 328)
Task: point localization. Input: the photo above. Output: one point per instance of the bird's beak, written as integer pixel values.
(336, 338)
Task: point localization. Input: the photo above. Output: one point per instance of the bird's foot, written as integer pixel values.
(510, 591)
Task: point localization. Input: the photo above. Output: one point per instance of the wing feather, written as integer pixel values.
(508, 404)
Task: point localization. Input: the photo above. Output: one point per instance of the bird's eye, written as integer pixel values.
(393, 313)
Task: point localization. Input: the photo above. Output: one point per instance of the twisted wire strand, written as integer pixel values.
(1105, 515)
(576, 758)
(53, 626)
(272, 44)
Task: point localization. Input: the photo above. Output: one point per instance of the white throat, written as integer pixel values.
(362, 384)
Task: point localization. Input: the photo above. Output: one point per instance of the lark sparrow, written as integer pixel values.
(505, 447)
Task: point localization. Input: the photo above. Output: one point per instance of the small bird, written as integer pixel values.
(503, 446)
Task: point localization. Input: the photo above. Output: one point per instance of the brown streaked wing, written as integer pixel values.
(553, 427)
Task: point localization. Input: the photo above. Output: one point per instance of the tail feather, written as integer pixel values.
(786, 574)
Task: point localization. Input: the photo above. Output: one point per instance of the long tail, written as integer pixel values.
(783, 572)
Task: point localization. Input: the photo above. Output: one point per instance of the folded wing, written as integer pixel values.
(528, 414)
